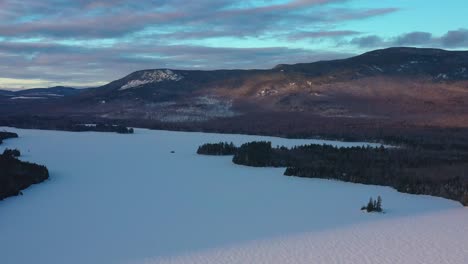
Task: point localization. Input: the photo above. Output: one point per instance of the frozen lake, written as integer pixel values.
(116, 198)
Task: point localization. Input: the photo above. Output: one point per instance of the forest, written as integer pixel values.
(5, 135)
(217, 149)
(410, 169)
(66, 124)
(290, 125)
(17, 175)
(99, 128)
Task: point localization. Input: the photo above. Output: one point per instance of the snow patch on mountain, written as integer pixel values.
(27, 97)
(153, 77)
(202, 108)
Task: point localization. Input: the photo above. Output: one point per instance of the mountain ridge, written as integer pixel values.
(404, 86)
(43, 92)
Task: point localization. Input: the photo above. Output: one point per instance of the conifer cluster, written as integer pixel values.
(373, 205)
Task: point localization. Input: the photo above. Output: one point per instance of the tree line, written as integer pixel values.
(6, 135)
(217, 149)
(99, 128)
(416, 170)
(17, 175)
(73, 125)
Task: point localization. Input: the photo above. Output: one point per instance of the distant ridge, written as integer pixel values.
(393, 87)
(42, 92)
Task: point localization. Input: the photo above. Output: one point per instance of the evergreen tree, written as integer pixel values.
(370, 205)
(13, 153)
(379, 204)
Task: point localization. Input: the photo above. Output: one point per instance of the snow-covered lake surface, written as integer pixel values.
(127, 199)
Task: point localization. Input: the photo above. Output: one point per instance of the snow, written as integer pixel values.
(432, 238)
(377, 68)
(27, 97)
(200, 108)
(116, 198)
(42, 94)
(442, 76)
(267, 92)
(53, 95)
(153, 77)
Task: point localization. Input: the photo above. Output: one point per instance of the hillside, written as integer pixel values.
(39, 93)
(17, 175)
(393, 88)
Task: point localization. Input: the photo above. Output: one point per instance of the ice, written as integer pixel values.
(116, 198)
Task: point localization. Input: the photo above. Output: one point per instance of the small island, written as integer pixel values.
(373, 206)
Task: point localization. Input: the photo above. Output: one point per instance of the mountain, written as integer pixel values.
(41, 93)
(436, 64)
(5, 93)
(52, 91)
(395, 87)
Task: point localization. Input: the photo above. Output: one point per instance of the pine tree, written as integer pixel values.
(379, 204)
(370, 205)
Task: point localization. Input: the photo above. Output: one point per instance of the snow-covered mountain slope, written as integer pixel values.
(116, 198)
(152, 77)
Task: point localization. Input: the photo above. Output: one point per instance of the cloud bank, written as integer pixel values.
(91, 42)
(452, 39)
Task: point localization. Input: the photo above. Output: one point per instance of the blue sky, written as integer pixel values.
(88, 43)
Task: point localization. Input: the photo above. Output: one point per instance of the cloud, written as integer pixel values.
(85, 19)
(295, 4)
(321, 34)
(345, 14)
(83, 40)
(56, 64)
(455, 39)
(368, 41)
(414, 38)
(451, 39)
(104, 26)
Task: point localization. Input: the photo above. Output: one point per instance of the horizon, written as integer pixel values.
(221, 69)
(89, 43)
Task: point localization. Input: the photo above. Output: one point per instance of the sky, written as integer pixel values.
(85, 43)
